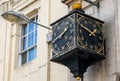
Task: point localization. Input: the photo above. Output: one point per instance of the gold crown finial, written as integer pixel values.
(78, 78)
(76, 6)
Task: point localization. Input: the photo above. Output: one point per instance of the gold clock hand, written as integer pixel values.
(91, 33)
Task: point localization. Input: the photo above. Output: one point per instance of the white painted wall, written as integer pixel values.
(36, 70)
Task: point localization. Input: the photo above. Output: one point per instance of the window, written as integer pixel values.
(28, 41)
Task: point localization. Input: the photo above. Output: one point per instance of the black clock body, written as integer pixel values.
(77, 41)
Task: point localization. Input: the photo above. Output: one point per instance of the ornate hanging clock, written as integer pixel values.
(77, 41)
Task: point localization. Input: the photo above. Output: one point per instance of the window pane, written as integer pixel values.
(24, 29)
(31, 27)
(36, 22)
(35, 51)
(24, 43)
(33, 19)
(30, 39)
(36, 26)
(37, 17)
(35, 36)
(31, 54)
(24, 58)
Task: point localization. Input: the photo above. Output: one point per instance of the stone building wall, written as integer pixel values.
(41, 69)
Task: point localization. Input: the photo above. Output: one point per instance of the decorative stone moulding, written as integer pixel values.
(67, 2)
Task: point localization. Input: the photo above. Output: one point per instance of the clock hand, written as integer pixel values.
(63, 32)
(91, 33)
(60, 36)
(94, 31)
(56, 38)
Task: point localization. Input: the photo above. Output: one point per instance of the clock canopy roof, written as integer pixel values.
(79, 11)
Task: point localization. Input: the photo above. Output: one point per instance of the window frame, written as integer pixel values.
(28, 48)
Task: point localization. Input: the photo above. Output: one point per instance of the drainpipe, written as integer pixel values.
(116, 18)
(49, 44)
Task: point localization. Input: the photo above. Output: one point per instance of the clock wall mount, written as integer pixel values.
(77, 41)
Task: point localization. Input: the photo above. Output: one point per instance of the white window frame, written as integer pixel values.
(21, 51)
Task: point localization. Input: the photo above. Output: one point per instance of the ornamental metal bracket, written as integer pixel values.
(95, 3)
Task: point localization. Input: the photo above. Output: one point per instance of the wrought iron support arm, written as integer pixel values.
(95, 3)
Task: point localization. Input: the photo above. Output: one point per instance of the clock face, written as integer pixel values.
(63, 36)
(90, 34)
